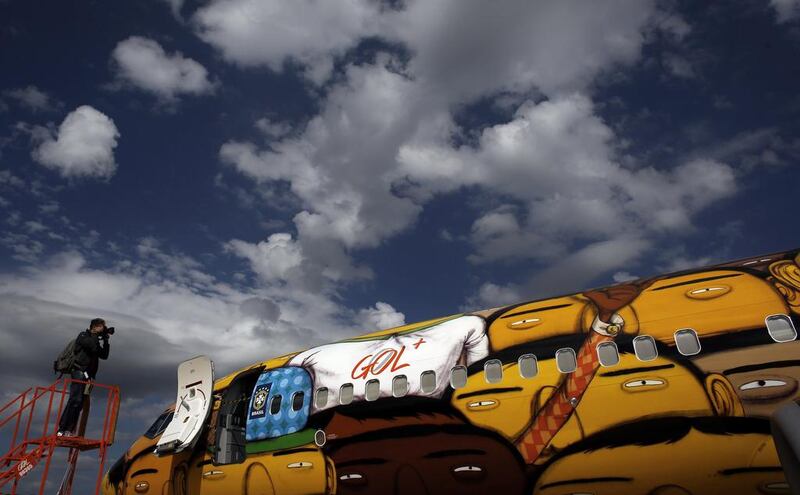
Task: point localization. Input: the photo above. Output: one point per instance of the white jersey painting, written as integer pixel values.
(462, 340)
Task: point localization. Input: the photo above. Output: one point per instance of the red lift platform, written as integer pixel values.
(31, 422)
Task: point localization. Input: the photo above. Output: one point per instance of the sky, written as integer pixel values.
(245, 178)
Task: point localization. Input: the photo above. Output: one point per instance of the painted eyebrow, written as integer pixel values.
(767, 469)
(609, 479)
(637, 370)
(500, 390)
(543, 308)
(144, 471)
(359, 462)
(762, 366)
(454, 452)
(293, 451)
(688, 282)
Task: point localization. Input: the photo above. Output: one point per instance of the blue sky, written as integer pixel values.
(244, 178)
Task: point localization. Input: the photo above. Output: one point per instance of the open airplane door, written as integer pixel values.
(192, 406)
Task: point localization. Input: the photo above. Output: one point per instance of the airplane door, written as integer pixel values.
(192, 406)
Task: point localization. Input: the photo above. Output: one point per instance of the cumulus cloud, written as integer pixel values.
(273, 259)
(388, 138)
(272, 33)
(33, 98)
(83, 145)
(381, 316)
(786, 10)
(142, 63)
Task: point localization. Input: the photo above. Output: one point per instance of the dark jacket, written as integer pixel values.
(89, 349)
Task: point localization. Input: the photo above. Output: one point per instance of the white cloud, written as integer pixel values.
(142, 63)
(387, 138)
(83, 146)
(786, 10)
(33, 98)
(271, 33)
(679, 66)
(273, 259)
(381, 316)
(273, 129)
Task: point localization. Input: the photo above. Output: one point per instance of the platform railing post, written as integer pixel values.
(16, 423)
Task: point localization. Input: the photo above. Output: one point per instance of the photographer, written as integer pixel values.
(90, 346)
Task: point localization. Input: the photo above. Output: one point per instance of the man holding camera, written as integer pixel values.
(90, 346)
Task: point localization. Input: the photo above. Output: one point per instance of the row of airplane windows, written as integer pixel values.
(780, 328)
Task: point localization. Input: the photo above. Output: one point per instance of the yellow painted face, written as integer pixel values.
(764, 377)
(634, 389)
(711, 302)
(506, 407)
(304, 470)
(537, 321)
(151, 475)
(697, 464)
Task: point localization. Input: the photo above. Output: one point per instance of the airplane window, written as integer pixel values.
(346, 394)
(528, 367)
(493, 371)
(373, 390)
(297, 400)
(275, 405)
(645, 348)
(321, 397)
(687, 342)
(159, 425)
(427, 381)
(781, 328)
(458, 376)
(607, 353)
(399, 385)
(566, 361)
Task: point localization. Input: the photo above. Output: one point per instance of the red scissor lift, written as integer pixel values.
(31, 420)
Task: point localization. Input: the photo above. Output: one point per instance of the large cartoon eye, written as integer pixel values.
(762, 384)
(524, 324)
(300, 465)
(483, 405)
(353, 479)
(464, 469)
(708, 292)
(643, 384)
(468, 472)
(768, 388)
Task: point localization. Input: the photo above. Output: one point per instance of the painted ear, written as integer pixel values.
(723, 396)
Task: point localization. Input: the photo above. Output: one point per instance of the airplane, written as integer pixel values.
(685, 383)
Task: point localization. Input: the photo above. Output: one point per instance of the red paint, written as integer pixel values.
(386, 359)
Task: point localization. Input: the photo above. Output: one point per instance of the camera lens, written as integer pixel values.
(110, 330)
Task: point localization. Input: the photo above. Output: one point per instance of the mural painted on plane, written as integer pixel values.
(659, 413)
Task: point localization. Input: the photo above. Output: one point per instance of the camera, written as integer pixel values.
(109, 330)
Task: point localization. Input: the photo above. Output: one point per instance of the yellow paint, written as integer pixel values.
(669, 468)
(301, 473)
(537, 320)
(730, 301)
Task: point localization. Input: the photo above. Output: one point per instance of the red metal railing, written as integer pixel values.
(21, 415)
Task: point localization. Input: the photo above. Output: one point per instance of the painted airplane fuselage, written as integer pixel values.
(661, 386)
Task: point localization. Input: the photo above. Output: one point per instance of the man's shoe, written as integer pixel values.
(65, 434)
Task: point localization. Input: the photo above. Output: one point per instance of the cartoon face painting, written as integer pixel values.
(712, 302)
(737, 455)
(423, 454)
(764, 377)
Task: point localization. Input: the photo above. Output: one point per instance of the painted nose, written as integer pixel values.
(408, 481)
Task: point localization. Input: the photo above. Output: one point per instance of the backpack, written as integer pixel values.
(66, 360)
